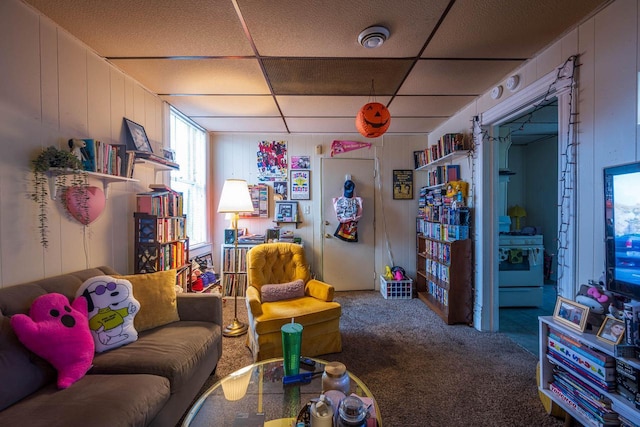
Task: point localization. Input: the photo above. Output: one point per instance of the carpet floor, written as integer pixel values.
(421, 371)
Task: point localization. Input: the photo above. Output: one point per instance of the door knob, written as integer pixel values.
(327, 223)
(327, 236)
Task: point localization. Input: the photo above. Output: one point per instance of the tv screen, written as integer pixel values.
(622, 229)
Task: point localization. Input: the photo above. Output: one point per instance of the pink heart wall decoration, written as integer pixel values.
(95, 203)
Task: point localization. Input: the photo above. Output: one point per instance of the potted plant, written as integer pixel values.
(56, 164)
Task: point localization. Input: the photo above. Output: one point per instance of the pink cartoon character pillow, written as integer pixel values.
(59, 333)
(112, 308)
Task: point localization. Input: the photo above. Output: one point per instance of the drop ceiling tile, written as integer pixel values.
(504, 29)
(330, 28)
(455, 77)
(322, 124)
(312, 76)
(118, 28)
(407, 125)
(436, 106)
(242, 124)
(221, 106)
(325, 106)
(197, 76)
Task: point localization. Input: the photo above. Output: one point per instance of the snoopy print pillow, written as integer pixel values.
(112, 308)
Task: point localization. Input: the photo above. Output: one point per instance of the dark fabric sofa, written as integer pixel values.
(150, 382)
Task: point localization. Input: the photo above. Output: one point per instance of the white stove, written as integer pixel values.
(521, 270)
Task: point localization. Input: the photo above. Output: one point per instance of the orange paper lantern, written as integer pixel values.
(373, 120)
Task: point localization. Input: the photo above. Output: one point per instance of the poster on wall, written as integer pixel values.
(272, 161)
(279, 190)
(300, 162)
(260, 199)
(300, 185)
(403, 184)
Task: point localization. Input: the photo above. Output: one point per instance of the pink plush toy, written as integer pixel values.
(59, 333)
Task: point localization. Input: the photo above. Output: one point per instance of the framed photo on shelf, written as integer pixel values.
(204, 261)
(138, 140)
(300, 185)
(612, 330)
(571, 313)
(402, 184)
(287, 211)
(229, 236)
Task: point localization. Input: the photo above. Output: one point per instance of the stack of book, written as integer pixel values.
(160, 201)
(581, 378)
(102, 157)
(449, 143)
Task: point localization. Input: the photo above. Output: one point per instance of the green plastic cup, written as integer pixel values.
(291, 342)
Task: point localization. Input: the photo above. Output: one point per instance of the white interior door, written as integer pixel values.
(348, 266)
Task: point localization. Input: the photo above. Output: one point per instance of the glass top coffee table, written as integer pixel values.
(258, 388)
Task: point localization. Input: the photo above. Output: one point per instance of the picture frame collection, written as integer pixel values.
(574, 315)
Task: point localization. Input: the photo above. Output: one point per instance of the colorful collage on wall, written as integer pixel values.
(272, 161)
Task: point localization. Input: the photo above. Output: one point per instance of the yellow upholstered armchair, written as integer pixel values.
(276, 267)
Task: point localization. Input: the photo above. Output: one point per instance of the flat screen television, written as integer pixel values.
(622, 229)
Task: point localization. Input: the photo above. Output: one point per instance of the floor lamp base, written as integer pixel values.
(235, 329)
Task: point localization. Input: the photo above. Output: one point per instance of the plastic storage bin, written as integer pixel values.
(396, 289)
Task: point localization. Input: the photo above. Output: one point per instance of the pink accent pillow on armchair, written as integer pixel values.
(282, 291)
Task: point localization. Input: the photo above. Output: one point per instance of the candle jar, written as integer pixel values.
(352, 412)
(335, 377)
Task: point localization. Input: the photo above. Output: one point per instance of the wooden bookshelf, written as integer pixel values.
(444, 276)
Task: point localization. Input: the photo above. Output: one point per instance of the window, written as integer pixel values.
(188, 141)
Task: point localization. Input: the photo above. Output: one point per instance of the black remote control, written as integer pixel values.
(307, 364)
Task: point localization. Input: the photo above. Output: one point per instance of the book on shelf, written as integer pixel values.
(578, 382)
(453, 173)
(558, 360)
(101, 157)
(160, 202)
(631, 312)
(585, 411)
(594, 355)
(129, 164)
(585, 363)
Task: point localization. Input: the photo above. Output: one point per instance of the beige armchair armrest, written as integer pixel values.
(202, 307)
(254, 302)
(319, 290)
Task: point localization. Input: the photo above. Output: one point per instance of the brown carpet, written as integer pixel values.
(421, 371)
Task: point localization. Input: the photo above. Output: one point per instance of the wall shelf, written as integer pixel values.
(159, 167)
(105, 178)
(445, 159)
(288, 222)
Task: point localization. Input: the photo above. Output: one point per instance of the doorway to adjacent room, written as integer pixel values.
(528, 222)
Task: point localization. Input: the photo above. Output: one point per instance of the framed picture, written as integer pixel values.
(229, 236)
(403, 184)
(571, 313)
(612, 330)
(137, 140)
(300, 162)
(280, 190)
(272, 235)
(287, 211)
(169, 154)
(260, 199)
(300, 185)
(204, 261)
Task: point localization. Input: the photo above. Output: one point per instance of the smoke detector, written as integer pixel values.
(373, 37)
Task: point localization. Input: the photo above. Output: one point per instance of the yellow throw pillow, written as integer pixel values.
(156, 293)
